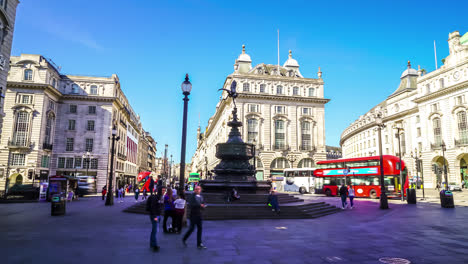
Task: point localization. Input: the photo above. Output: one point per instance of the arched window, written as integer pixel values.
(311, 92)
(462, 127)
(295, 90)
(75, 88)
(252, 130)
(246, 87)
(306, 163)
(28, 74)
(280, 163)
(20, 134)
(279, 89)
(94, 89)
(48, 131)
(305, 136)
(436, 125)
(279, 135)
(262, 88)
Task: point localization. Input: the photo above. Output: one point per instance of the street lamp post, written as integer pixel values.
(445, 164)
(417, 158)
(87, 157)
(110, 198)
(399, 155)
(186, 89)
(383, 195)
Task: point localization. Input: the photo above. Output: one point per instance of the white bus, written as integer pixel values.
(300, 180)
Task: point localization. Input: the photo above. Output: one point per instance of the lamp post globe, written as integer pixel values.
(186, 85)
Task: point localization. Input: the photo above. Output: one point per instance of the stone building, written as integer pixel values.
(431, 109)
(146, 152)
(282, 114)
(7, 26)
(58, 124)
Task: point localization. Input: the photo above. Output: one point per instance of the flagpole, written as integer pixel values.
(435, 54)
(278, 54)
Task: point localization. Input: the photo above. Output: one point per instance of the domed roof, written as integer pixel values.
(409, 72)
(291, 62)
(244, 57)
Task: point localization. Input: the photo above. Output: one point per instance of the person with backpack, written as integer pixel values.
(344, 196)
(154, 206)
(351, 194)
(168, 209)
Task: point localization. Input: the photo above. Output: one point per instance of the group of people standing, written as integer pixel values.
(174, 206)
(347, 192)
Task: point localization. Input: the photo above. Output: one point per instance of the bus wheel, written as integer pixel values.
(373, 194)
(302, 190)
(328, 192)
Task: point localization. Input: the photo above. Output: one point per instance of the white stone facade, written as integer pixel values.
(431, 108)
(282, 114)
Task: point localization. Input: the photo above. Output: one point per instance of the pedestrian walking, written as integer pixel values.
(438, 186)
(273, 201)
(344, 195)
(137, 193)
(179, 207)
(154, 207)
(151, 185)
(104, 191)
(168, 209)
(351, 195)
(196, 203)
(123, 190)
(144, 194)
(121, 194)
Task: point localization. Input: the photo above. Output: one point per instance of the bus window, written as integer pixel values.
(305, 173)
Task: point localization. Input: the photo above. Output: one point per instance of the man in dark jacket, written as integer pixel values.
(344, 196)
(196, 203)
(151, 185)
(154, 206)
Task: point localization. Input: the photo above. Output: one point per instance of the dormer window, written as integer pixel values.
(295, 90)
(94, 89)
(28, 74)
(311, 92)
(279, 89)
(75, 88)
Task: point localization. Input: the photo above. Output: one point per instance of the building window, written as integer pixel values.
(21, 128)
(71, 125)
(436, 125)
(61, 163)
(306, 111)
(305, 136)
(305, 163)
(280, 109)
(459, 100)
(419, 146)
(69, 163)
(70, 144)
(279, 163)
(386, 139)
(253, 108)
(89, 144)
(428, 88)
(252, 130)
(418, 130)
(24, 99)
(295, 90)
(279, 134)
(279, 89)
(418, 119)
(18, 159)
(94, 164)
(90, 126)
(45, 161)
(246, 87)
(434, 107)
(54, 83)
(441, 82)
(92, 109)
(403, 143)
(78, 162)
(28, 74)
(73, 109)
(94, 89)
(48, 131)
(462, 127)
(262, 88)
(373, 144)
(311, 92)
(86, 163)
(75, 88)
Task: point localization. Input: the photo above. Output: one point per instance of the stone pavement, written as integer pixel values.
(93, 233)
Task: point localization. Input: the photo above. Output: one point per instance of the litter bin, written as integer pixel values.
(411, 196)
(57, 206)
(446, 199)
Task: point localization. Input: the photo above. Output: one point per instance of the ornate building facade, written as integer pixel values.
(430, 109)
(282, 114)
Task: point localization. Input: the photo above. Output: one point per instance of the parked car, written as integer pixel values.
(454, 187)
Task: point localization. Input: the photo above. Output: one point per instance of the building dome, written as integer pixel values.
(409, 71)
(244, 57)
(291, 62)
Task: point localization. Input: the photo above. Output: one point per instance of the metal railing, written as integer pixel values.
(280, 147)
(436, 146)
(19, 143)
(461, 142)
(47, 146)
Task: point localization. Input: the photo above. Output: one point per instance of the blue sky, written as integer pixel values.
(362, 47)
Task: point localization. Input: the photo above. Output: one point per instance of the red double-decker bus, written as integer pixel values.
(363, 173)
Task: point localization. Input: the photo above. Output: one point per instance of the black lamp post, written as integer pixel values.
(397, 135)
(445, 164)
(186, 88)
(87, 158)
(383, 195)
(110, 198)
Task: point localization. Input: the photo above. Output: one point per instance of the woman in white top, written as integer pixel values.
(179, 205)
(351, 195)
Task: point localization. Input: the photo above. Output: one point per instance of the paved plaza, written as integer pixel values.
(93, 233)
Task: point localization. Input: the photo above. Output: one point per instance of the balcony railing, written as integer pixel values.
(436, 146)
(461, 142)
(19, 143)
(47, 146)
(122, 156)
(280, 147)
